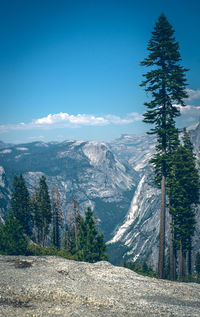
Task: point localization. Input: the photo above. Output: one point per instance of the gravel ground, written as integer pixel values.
(53, 286)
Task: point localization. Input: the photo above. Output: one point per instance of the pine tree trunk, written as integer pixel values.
(190, 261)
(182, 262)
(175, 276)
(172, 270)
(161, 259)
(43, 234)
(37, 236)
(43, 238)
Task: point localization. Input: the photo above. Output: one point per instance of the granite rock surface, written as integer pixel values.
(53, 286)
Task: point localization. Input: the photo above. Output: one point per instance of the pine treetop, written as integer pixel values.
(166, 81)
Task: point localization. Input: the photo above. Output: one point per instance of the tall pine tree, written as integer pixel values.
(166, 82)
(44, 205)
(20, 202)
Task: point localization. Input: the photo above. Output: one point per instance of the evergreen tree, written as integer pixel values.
(12, 240)
(166, 82)
(91, 245)
(57, 218)
(44, 206)
(184, 186)
(187, 142)
(20, 202)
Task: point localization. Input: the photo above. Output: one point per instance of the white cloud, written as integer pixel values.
(63, 120)
(131, 117)
(189, 113)
(70, 120)
(188, 108)
(193, 94)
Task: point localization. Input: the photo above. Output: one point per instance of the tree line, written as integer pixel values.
(174, 162)
(36, 225)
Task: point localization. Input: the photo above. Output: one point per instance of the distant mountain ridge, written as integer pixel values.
(88, 170)
(114, 178)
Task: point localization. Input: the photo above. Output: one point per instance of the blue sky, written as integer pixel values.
(70, 69)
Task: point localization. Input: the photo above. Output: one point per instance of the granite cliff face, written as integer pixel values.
(88, 170)
(115, 179)
(52, 286)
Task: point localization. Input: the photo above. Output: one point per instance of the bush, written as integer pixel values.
(12, 240)
(141, 268)
(34, 249)
(190, 278)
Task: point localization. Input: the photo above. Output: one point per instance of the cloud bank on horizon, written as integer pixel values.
(189, 114)
(62, 120)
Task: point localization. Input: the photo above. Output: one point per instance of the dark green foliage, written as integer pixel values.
(91, 246)
(44, 206)
(12, 241)
(166, 82)
(184, 195)
(20, 203)
(197, 263)
(140, 268)
(183, 191)
(187, 142)
(184, 187)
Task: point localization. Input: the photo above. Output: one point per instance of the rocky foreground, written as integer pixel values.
(53, 286)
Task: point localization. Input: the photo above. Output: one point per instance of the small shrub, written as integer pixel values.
(37, 250)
